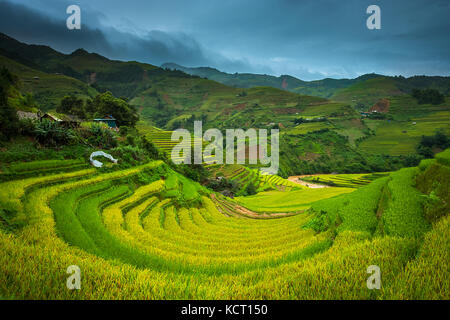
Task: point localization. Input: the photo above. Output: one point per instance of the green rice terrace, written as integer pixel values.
(148, 232)
(344, 180)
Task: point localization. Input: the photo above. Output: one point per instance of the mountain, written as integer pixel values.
(47, 89)
(326, 88)
(131, 79)
(321, 88)
(317, 134)
(161, 95)
(239, 80)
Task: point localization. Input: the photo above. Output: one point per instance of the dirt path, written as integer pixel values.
(297, 179)
(248, 213)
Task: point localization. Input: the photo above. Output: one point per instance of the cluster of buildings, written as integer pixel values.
(66, 120)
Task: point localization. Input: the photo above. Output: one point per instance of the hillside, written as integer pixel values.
(239, 80)
(121, 78)
(320, 88)
(161, 95)
(348, 90)
(341, 140)
(47, 89)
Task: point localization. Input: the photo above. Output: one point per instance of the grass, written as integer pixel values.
(356, 180)
(404, 213)
(422, 277)
(355, 211)
(278, 201)
(368, 92)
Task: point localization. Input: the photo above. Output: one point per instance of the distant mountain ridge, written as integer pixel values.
(128, 79)
(325, 88)
(171, 88)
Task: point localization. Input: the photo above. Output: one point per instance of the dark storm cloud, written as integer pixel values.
(35, 26)
(309, 39)
(330, 37)
(29, 26)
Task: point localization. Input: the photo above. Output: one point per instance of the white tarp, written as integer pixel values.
(98, 164)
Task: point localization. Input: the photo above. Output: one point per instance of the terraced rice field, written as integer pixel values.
(162, 139)
(277, 182)
(305, 128)
(344, 180)
(150, 233)
(36, 168)
(402, 137)
(245, 176)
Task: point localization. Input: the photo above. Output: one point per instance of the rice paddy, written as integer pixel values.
(150, 233)
(356, 180)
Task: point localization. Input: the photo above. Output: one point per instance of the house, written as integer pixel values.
(109, 120)
(51, 117)
(66, 120)
(365, 114)
(27, 115)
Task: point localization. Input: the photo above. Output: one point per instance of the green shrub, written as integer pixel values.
(98, 135)
(130, 140)
(425, 163)
(129, 156)
(434, 182)
(51, 134)
(251, 189)
(151, 149)
(27, 127)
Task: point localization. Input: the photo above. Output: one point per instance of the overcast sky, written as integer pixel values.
(309, 39)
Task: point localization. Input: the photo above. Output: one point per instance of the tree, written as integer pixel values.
(72, 105)
(196, 172)
(428, 96)
(251, 189)
(427, 143)
(299, 120)
(151, 149)
(106, 104)
(9, 122)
